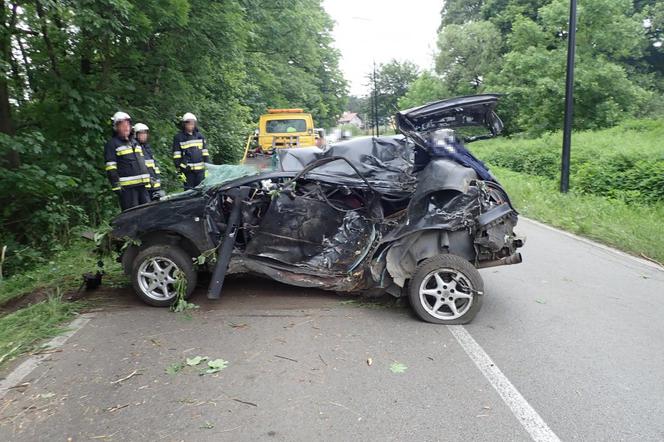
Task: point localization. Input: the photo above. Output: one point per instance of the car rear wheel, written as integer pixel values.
(155, 271)
(446, 289)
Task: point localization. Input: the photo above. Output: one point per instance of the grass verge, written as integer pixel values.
(40, 290)
(631, 227)
(63, 272)
(21, 331)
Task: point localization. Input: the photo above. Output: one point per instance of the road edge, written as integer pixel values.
(27, 366)
(594, 243)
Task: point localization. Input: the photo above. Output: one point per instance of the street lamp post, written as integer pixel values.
(375, 99)
(569, 99)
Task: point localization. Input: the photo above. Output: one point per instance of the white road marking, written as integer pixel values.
(532, 422)
(594, 243)
(33, 362)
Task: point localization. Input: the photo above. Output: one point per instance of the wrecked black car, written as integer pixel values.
(410, 215)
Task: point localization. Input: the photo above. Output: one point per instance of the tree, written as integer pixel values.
(467, 53)
(518, 47)
(533, 71)
(456, 12)
(393, 79)
(67, 65)
(428, 87)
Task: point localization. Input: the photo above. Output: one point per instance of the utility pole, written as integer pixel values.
(375, 100)
(569, 99)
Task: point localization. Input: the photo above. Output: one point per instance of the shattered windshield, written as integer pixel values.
(218, 175)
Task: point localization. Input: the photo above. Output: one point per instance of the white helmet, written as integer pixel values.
(120, 116)
(189, 117)
(140, 127)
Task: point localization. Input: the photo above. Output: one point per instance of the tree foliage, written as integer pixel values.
(426, 88)
(392, 81)
(518, 47)
(67, 65)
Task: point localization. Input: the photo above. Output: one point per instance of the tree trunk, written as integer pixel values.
(47, 40)
(13, 159)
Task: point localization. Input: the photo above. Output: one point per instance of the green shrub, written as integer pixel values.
(625, 162)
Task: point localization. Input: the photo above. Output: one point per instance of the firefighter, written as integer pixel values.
(142, 133)
(125, 165)
(190, 152)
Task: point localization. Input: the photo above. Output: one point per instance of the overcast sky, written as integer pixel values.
(383, 29)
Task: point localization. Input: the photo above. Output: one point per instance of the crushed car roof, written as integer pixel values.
(385, 162)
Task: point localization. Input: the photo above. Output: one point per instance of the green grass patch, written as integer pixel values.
(635, 228)
(62, 272)
(22, 331)
(624, 162)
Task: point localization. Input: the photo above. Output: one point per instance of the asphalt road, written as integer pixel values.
(577, 330)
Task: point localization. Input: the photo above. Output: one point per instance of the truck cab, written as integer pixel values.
(285, 128)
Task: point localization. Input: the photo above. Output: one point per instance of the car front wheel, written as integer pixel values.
(155, 272)
(446, 289)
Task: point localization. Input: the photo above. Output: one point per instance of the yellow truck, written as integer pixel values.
(285, 128)
(279, 129)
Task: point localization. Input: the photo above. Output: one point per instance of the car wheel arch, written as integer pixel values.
(160, 237)
(405, 255)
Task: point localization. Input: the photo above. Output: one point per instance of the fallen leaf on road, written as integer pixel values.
(540, 301)
(46, 395)
(174, 367)
(369, 362)
(243, 325)
(196, 360)
(207, 426)
(216, 365)
(398, 367)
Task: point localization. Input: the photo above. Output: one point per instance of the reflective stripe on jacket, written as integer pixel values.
(153, 167)
(190, 151)
(125, 165)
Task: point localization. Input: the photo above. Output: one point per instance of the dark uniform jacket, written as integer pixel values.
(190, 151)
(125, 164)
(153, 167)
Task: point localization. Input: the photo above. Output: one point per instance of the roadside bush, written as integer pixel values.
(625, 162)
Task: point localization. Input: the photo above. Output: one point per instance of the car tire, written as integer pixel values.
(154, 271)
(446, 289)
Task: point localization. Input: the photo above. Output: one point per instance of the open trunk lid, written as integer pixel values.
(454, 113)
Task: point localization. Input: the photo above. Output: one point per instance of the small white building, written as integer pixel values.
(351, 118)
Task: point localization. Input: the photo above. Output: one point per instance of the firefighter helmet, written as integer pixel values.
(140, 127)
(120, 116)
(189, 117)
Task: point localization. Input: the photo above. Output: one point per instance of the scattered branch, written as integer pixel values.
(133, 373)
